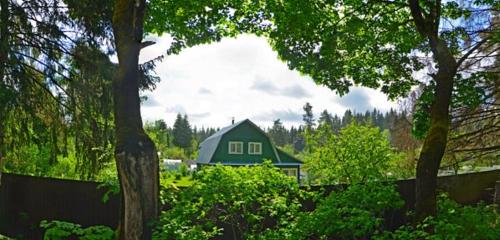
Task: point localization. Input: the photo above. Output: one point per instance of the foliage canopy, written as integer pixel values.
(359, 153)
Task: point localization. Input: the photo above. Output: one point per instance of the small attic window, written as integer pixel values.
(235, 147)
(254, 148)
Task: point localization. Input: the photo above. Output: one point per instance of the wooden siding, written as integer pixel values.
(245, 133)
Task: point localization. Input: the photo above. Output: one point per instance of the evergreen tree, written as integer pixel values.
(293, 134)
(325, 118)
(299, 143)
(279, 133)
(336, 124)
(188, 132)
(181, 132)
(308, 116)
(160, 125)
(347, 118)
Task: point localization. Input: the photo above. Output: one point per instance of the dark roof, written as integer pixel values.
(208, 146)
(288, 159)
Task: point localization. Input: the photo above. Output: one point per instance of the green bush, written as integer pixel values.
(59, 230)
(183, 170)
(354, 213)
(248, 201)
(178, 176)
(453, 221)
(261, 203)
(111, 186)
(359, 153)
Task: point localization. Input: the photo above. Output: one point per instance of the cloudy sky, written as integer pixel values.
(241, 78)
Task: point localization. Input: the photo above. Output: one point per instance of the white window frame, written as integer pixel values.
(287, 171)
(236, 143)
(255, 144)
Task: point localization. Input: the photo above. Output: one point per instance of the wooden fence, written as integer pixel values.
(26, 200)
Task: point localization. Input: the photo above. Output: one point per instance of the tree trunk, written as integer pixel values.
(427, 24)
(4, 49)
(437, 136)
(1, 149)
(135, 153)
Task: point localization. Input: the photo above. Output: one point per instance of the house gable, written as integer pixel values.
(215, 149)
(208, 146)
(246, 133)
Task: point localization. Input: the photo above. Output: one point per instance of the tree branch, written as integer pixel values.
(482, 149)
(146, 44)
(418, 18)
(464, 57)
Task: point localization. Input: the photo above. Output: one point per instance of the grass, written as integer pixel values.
(182, 182)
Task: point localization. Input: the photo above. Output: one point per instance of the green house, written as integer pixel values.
(244, 143)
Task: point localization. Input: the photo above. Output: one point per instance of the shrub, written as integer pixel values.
(183, 170)
(354, 213)
(59, 230)
(178, 176)
(246, 201)
(359, 153)
(111, 186)
(453, 221)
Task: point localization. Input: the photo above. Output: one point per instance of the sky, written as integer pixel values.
(242, 78)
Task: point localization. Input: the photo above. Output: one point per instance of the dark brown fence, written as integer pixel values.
(25, 201)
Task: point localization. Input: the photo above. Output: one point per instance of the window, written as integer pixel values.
(235, 147)
(292, 172)
(254, 148)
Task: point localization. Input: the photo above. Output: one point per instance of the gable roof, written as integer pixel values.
(288, 159)
(209, 146)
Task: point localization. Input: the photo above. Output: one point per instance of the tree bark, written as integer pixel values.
(135, 153)
(437, 136)
(434, 145)
(1, 149)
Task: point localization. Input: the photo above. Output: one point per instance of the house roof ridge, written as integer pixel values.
(209, 145)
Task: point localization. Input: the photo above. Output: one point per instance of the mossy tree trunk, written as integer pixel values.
(436, 139)
(135, 153)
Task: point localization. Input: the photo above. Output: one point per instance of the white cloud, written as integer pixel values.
(267, 86)
(150, 101)
(204, 91)
(176, 109)
(295, 91)
(240, 78)
(264, 85)
(198, 116)
(284, 115)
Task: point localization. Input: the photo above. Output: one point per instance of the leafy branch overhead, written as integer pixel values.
(338, 43)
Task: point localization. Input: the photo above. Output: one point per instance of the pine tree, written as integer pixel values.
(308, 117)
(299, 142)
(182, 132)
(325, 118)
(188, 132)
(336, 124)
(347, 118)
(279, 133)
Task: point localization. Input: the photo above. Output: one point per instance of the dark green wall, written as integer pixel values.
(244, 133)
